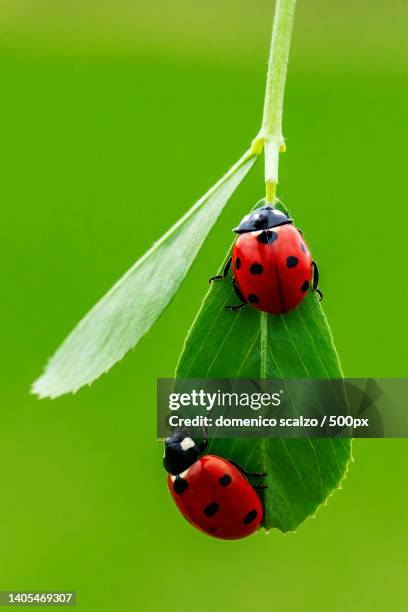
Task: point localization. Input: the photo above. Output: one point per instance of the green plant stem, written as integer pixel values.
(270, 136)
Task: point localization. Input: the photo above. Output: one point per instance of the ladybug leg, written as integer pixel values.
(249, 474)
(239, 295)
(224, 273)
(237, 307)
(245, 472)
(316, 280)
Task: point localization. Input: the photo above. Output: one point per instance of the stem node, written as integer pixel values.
(257, 145)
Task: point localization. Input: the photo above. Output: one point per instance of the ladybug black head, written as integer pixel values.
(180, 452)
(261, 219)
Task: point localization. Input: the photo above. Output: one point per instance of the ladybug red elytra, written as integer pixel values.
(272, 265)
(213, 494)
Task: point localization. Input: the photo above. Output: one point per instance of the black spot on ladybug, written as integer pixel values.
(267, 237)
(305, 286)
(211, 509)
(251, 516)
(292, 261)
(225, 480)
(302, 246)
(237, 263)
(256, 268)
(180, 485)
(254, 299)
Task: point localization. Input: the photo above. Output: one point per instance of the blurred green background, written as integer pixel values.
(103, 106)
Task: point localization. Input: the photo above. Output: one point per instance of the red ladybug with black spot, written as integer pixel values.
(272, 265)
(213, 494)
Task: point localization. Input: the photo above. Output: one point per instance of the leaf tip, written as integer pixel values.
(49, 387)
(36, 389)
(40, 389)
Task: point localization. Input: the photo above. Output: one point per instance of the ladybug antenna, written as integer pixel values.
(261, 202)
(204, 442)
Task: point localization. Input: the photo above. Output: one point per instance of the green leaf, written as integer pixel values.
(118, 321)
(301, 473)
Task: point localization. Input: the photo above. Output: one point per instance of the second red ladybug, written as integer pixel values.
(213, 494)
(272, 265)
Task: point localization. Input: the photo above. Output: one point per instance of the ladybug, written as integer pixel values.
(271, 263)
(213, 494)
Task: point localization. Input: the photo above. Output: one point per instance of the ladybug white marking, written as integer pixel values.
(182, 475)
(187, 443)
